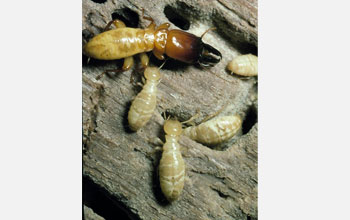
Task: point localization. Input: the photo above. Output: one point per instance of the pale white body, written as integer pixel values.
(244, 65)
(214, 131)
(171, 165)
(144, 104)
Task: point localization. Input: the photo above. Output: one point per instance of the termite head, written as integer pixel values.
(152, 73)
(172, 127)
(189, 48)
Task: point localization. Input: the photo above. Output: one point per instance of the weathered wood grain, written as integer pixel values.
(220, 183)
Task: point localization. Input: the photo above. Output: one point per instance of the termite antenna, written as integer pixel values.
(99, 76)
(210, 29)
(145, 17)
(192, 118)
(162, 64)
(164, 115)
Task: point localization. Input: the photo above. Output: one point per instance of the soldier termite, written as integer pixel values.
(125, 42)
(171, 165)
(144, 104)
(244, 65)
(214, 131)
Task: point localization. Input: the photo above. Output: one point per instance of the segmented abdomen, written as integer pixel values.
(117, 43)
(245, 65)
(143, 106)
(171, 173)
(214, 131)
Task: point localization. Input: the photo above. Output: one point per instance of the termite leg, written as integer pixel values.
(163, 26)
(108, 73)
(156, 142)
(158, 55)
(244, 77)
(151, 26)
(146, 18)
(117, 23)
(190, 121)
(214, 114)
(128, 63)
(144, 60)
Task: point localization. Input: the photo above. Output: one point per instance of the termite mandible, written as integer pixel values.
(125, 42)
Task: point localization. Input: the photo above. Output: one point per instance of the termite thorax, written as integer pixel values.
(172, 140)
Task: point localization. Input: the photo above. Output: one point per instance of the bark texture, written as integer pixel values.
(221, 182)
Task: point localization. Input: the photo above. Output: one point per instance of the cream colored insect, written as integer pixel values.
(244, 65)
(144, 104)
(171, 165)
(214, 131)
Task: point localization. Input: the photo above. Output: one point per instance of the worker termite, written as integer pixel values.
(125, 42)
(144, 104)
(214, 131)
(171, 165)
(244, 65)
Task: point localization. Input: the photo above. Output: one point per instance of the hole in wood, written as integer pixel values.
(99, 1)
(103, 203)
(128, 16)
(176, 18)
(250, 120)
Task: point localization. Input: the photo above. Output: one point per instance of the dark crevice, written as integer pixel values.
(170, 64)
(235, 35)
(87, 35)
(157, 191)
(96, 100)
(250, 120)
(103, 203)
(99, 1)
(125, 119)
(176, 18)
(128, 16)
(221, 194)
(250, 218)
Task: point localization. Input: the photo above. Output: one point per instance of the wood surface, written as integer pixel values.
(221, 182)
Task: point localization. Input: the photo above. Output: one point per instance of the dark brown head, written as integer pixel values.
(189, 48)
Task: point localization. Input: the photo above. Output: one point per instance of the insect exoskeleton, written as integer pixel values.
(125, 42)
(244, 65)
(144, 104)
(171, 165)
(214, 131)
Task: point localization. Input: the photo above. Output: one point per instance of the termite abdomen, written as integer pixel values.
(244, 65)
(144, 104)
(215, 131)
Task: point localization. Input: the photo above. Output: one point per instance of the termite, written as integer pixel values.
(214, 131)
(171, 165)
(244, 65)
(125, 42)
(144, 104)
